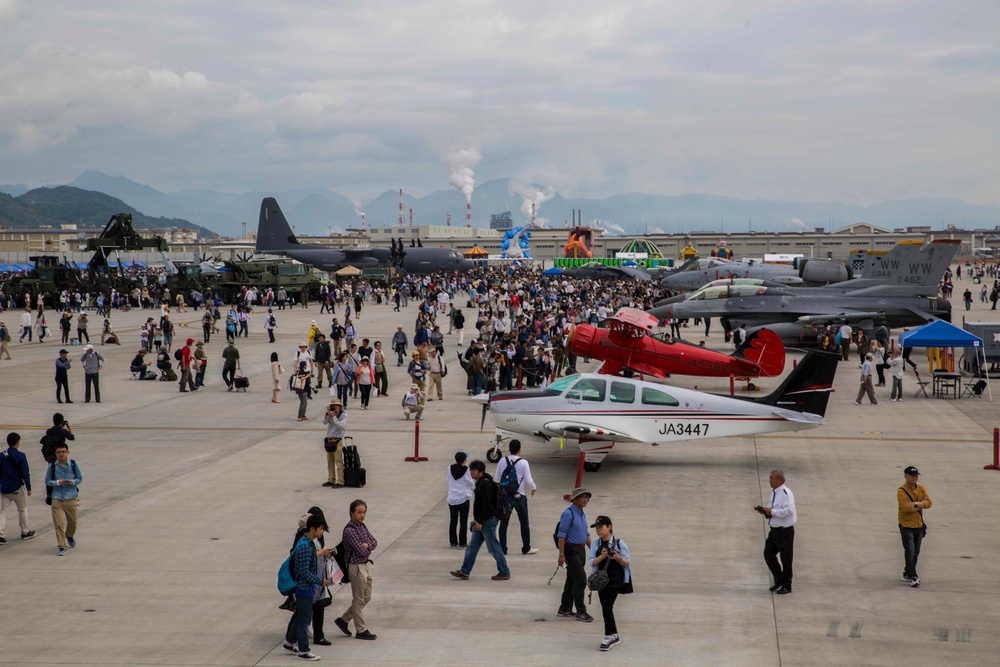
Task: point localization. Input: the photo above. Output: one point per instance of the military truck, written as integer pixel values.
(49, 277)
(273, 274)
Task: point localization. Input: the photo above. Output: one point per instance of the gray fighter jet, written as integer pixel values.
(901, 289)
(803, 271)
(275, 237)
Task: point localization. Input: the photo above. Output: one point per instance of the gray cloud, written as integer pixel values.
(857, 101)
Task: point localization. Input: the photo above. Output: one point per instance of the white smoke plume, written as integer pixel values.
(533, 195)
(657, 230)
(460, 163)
(357, 208)
(612, 227)
(796, 224)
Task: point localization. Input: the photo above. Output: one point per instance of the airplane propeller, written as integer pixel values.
(482, 422)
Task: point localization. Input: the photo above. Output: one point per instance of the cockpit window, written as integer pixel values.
(622, 392)
(652, 396)
(588, 389)
(560, 385)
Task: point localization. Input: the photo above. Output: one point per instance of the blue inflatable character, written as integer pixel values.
(515, 244)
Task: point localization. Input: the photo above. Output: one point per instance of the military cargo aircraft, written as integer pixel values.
(275, 237)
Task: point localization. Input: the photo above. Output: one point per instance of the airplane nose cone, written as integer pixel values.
(466, 265)
(482, 398)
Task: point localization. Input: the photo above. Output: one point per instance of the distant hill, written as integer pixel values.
(315, 210)
(14, 190)
(68, 205)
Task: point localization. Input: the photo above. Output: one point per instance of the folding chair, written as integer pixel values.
(137, 373)
(921, 387)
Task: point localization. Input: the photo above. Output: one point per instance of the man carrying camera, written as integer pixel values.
(336, 425)
(781, 517)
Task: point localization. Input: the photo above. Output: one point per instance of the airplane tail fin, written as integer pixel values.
(909, 264)
(763, 348)
(808, 387)
(273, 231)
(168, 266)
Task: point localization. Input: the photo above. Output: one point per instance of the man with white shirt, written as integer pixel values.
(520, 500)
(845, 332)
(781, 517)
(25, 325)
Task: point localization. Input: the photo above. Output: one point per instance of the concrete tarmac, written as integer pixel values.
(189, 504)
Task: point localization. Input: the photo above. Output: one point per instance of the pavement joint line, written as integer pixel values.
(774, 610)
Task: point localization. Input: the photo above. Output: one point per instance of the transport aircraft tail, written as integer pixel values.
(273, 231)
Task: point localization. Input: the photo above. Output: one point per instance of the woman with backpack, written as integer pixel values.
(609, 555)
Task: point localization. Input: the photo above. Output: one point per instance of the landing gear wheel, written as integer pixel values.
(751, 386)
(494, 454)
(591, 467)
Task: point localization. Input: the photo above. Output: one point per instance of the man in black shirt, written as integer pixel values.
(484, 525)
(139, 365)
(321, 358)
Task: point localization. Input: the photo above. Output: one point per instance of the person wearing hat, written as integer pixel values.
(460, 491)
(313, 335)
(399, 343)
(230, 363)
(303, 355)
(866, 381)
(413, 402)
(417, 370)
(93, 362)
(63, 365)
(912, 499)
(781, 519)
(4, 340)
(573, 540)
(336, 426)
(187, 381)
(200, 364)
(610, 554)
(139, 365)
(337, 333)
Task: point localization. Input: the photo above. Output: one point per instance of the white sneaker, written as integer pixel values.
(914, 583)
(610, 642)
(310, 657)
(531, 552)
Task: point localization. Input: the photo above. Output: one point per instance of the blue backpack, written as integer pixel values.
(286, 574)
(508, 480)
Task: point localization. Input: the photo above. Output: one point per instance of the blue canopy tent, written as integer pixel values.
(554, 271)
(944, 334)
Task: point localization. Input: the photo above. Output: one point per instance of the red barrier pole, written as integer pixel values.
(579, 474)
(732, 385)
(520, 376)
(996, 451)
(416, 444)
(795, 362)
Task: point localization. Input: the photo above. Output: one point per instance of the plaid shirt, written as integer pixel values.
(306, 566)
(355, 537)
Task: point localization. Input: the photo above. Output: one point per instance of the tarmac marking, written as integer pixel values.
(855, 631)
(112, 427)
(832, 630)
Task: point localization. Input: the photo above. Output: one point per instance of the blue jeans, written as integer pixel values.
(521, 507)
(489, 535)
(478, 380)
(298, 625)
(912, 537)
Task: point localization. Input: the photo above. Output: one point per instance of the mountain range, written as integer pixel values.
(64, 204)
(320, 210)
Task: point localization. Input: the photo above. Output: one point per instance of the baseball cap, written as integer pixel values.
(89, 347)
(601, 521)
(190, 340)
(911, 470)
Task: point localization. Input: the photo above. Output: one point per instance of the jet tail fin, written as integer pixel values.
(911, 264)
(808, 387)
(168, 266)
(273, 231)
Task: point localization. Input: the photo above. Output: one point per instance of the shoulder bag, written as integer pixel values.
(920, 512)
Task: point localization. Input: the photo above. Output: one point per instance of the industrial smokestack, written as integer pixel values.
(401, 207)
(468, 214)
(362, 220)
(532, 214)
(411, 217)
(449, 218)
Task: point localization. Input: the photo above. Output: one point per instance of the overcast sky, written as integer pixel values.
(860, 101)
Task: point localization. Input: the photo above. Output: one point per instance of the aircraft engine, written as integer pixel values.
(822, 270)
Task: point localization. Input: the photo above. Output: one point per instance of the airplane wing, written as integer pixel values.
(846, 315)
(570, 429)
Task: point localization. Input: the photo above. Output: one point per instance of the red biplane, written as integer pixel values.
(630, 344)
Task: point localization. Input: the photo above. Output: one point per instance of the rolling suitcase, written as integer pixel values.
(354, 474)
(241, 382)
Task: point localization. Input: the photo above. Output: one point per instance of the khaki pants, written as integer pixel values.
(335, 465)
(64, 519)
(361, 594)
(20, 500)
(436, 382)
(417, 409)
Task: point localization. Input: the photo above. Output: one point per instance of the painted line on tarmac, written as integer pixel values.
(112, 427)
